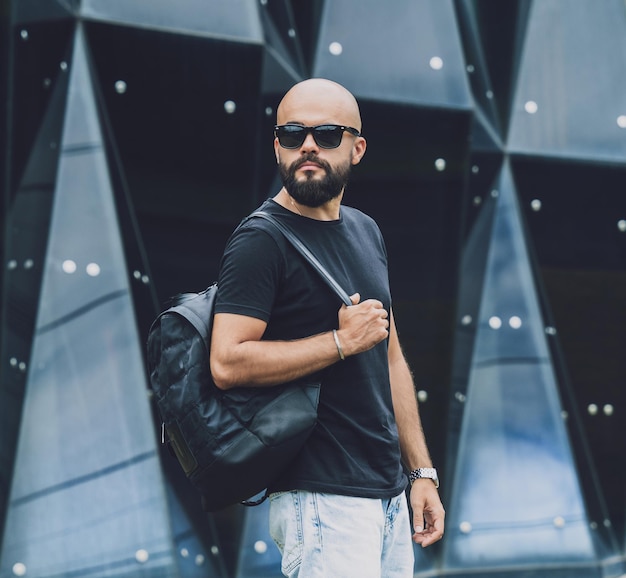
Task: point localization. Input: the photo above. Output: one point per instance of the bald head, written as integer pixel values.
(318, 101)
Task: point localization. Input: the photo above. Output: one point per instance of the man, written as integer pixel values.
(340, 510)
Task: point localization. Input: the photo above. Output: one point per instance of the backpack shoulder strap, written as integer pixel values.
(304, 251)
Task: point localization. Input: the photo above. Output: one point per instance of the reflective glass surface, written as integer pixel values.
(416, 54)
(571, 85)
(235, 19)
(87, 494)
(513, 440)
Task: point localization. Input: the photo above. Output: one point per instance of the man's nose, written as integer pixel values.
(309, 143)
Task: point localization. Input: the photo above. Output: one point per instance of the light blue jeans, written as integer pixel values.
(331, 536)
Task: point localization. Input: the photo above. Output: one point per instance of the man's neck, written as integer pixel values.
(329, 211)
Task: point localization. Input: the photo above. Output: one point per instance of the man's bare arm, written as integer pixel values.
(240, 357)
(428, 512)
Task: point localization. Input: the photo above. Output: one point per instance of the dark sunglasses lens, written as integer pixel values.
(328, 136)
(291, 137)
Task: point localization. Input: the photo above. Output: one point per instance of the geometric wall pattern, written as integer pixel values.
(134, 136)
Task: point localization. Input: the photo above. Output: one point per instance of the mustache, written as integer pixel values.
(309, 158)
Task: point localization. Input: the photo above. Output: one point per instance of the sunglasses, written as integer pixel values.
(327, 136)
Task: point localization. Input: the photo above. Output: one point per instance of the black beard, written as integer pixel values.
(314, 192)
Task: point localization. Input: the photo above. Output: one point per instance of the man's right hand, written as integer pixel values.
(362, 325)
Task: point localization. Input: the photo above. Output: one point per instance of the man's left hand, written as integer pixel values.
(428, 512)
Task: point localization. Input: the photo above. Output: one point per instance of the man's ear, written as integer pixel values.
(358, 150)
(276, 151)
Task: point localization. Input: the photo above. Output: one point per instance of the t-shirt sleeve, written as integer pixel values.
(251, 268)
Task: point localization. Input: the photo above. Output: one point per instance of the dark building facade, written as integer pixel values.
(135, 134)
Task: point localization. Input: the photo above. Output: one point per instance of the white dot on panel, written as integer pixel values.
(13, 362)
(535, 205)
(477, 200)
(495, 322)
(184, 552)
(230, 106)
(63, 65)
(515, 322)
(93, 269)
(19, 569)
(475, 169)
(142, 556)
(422, 396)
(564, 415)
(69, 266)
(559, 522)
(268, 111)
(145, 279)
(260, 547)
(489, 94)
(550, 330)
(495, 194)
(335, 48)
(120, 87)
(28, 264)
(21, 366)
(292, 33)
(470, 68)
(466, 319)
(12, 264)
(531, 107)
(440, 164)
(465, 527)
(608, 409)
(459, 397)
(436, 63)
(215, 550)
(199, 560)
(592, 409)
(621, 225)
(24, 34)
(621, 121)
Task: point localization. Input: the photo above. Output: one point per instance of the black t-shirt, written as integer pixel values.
(354, 448)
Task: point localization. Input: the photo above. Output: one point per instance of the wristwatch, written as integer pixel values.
(430, 473)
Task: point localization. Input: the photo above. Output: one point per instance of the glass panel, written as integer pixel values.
(513, 440)
(417, 54)
(571, 86)
(574, 213)
(26, 232)
(87, 494)
(235, 19)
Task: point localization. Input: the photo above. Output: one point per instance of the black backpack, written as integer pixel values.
(231, 444)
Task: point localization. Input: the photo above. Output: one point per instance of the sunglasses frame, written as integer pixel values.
(311, 130)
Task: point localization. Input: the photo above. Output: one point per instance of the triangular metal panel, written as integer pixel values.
(475, 63)
(281, 35)
(513, 441)
(570, 99)
(26, 228)
(236, 20)
(87, 496)
(30, 11)
(414, 58)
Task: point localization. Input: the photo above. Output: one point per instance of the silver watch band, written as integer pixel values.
(430, 473)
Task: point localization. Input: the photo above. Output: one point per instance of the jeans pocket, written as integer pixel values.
(285, 521)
